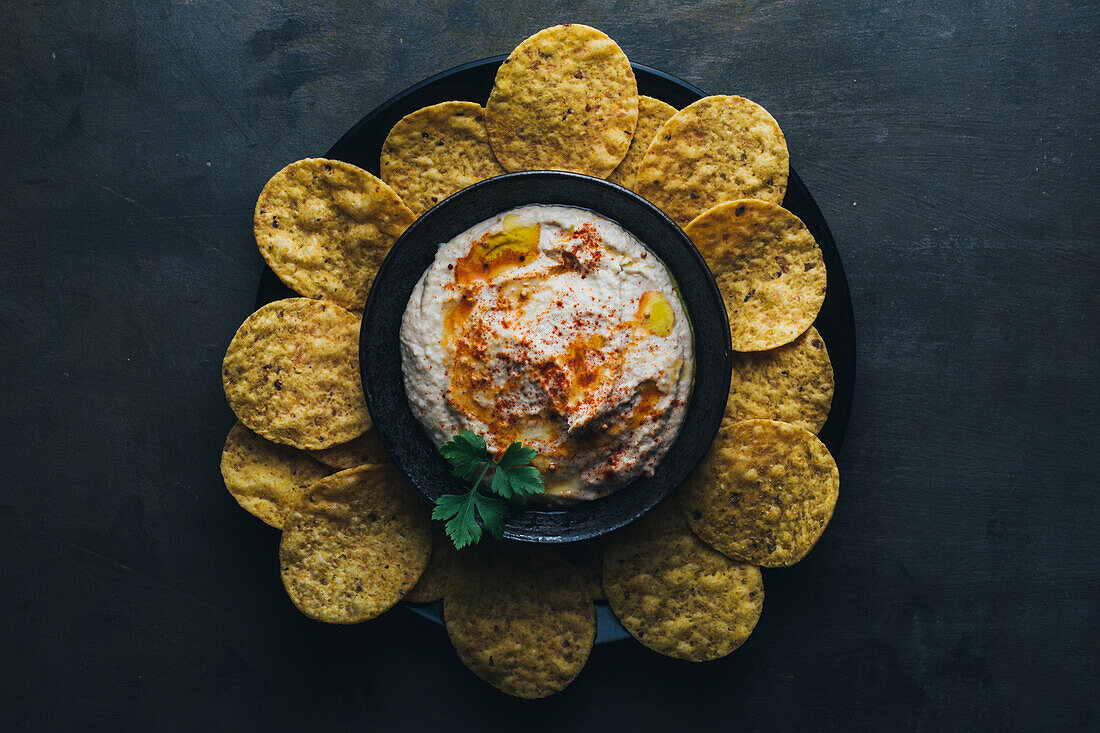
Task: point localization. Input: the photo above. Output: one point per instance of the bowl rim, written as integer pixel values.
(706, 294)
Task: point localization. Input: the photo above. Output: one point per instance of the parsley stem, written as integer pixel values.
(478, 482)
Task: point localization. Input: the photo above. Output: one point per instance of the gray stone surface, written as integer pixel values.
(952, 148)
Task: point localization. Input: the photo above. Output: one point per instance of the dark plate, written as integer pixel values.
(380, 346)
(362, 144)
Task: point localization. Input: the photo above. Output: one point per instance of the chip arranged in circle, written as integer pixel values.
(564, 99)
(652, 115)
(367, 448)
(291, 374)
(519, 617)
(266, 478)
(434, 580)
(436, 151)
(792, 383)
(675, 594)
(719, 148)
(768, 267)
(764, 493)
(354, 545)
(324, 227)
(587, 558)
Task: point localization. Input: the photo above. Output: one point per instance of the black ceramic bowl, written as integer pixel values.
(380, 356)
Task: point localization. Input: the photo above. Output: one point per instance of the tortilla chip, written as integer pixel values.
(768, 267)
(674, 594)
(565, 99)
(792, 383)
(717, 149)
(324, 227)
(367, 448)
(291, 374)
(354, 545)
(519, 618)
(652, 114)
(764, 493)
(437, 151)
(434, 580)
(266, 478)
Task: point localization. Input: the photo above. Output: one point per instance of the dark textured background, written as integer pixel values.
(952, 149)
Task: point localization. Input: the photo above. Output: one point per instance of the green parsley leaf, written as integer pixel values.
(466, 452)
(513, 477)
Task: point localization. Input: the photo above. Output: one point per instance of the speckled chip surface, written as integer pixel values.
(652, 115)
(519, 617)
(674, 594)
(564, 99)
(324, 227)
(764, 493)
(291, 374)
(356, 543)
(436, 151)
(792, 383)
(768, 267)
(434, 580)
(587, 558)
(367, 448)
(264, 477)
(719, 148)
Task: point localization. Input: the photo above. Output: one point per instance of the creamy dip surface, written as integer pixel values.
(552, 326)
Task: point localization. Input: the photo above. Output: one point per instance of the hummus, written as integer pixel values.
(552, 326)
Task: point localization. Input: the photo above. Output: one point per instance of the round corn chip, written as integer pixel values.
(764, 493)
(565, 99)
(354, 545)
(264, 477)
(674, 594)
(519, 618)
(652, 114)
(367, 448)
(587, 557)
(792, 383)
(768, 267)
(291, 374)
(432, 583)
(324, 226)
(717, 149)
(437, 151)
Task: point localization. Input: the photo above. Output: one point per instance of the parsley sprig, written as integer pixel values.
(513, 477)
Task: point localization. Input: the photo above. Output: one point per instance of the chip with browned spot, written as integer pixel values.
(367, 448)
(676, 595)
(768, 267)
(291, 374)
(324, 227)
(264, 477)
(652, 115)
(764, 493)
(354, 545)
(564, 99)
(519, 617)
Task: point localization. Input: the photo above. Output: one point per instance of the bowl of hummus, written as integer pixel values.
(560, 311)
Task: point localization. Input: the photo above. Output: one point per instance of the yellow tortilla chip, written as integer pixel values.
(291, 374)
(652, 115)
(354, 545)
(764, 493)
(565, 99)
(434, 580)
(768, 267)
(519, 618)
(264, 477)
(674, 594)
(792, 383)
(437, 151)
(324, 227)
(720, 148)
